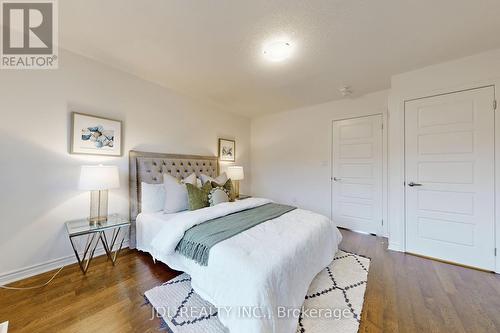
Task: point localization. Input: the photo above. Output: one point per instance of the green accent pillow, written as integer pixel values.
(228, 186)
(198, 197)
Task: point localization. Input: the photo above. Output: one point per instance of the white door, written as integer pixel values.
(450, 177)
(357, 174)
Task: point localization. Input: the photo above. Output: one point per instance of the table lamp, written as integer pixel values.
(98, 179)
(235, 173)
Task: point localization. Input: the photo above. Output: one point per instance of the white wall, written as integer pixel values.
(470, 72)
(38, 177)
(291, 151)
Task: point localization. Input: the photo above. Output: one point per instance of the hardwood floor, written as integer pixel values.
(404, 294)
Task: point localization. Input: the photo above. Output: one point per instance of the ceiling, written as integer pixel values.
(212, 50)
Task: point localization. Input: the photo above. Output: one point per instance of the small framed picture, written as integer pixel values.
(92, 135)
(227, 150)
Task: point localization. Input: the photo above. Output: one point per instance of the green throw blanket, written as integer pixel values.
(198, 240)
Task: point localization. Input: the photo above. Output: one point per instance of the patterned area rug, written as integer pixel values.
(333, 303)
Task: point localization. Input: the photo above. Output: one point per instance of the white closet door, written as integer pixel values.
(450, 177)
(357, 172)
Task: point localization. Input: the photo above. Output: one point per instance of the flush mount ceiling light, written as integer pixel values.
(277, 50)
(345, 91)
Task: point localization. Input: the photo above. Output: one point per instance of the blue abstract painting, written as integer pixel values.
(99, 136)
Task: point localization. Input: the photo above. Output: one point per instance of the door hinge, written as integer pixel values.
(382, 127)
(495, 105)
(495, 251)
(382, 222)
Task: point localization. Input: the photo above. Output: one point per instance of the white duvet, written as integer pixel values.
(256, 275)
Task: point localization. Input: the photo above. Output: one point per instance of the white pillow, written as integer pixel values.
(176, 196)
(221, 180)
(152, 197)
(218, 195)
(191, 179)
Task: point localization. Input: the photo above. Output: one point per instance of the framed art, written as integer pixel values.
(93, 135)
(227, 150)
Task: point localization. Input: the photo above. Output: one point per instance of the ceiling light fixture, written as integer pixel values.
(345, 91)
(277, 50)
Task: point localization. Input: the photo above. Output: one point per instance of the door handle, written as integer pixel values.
(411, 184)
(335, 179)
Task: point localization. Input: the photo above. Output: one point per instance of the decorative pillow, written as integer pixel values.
(152, 197)
(228, 186)
(191, 179)
(218, 195)
(198, 197)
(221, 179)
(176, 196)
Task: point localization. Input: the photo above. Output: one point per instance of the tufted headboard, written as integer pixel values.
(150, 167)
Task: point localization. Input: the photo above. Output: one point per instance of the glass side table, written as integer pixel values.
(96, 233)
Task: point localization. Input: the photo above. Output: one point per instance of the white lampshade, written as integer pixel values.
(99, 177)
(235, 173)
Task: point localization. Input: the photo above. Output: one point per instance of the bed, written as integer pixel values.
(265, 269)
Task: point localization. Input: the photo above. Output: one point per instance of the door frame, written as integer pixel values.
(496, 167)
(384, 230)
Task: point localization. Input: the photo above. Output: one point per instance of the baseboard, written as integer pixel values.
(395, 247)
(26, 272)
(4, 327)
(358, 232)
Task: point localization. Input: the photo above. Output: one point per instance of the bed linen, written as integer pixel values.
(255, 275)
(198, 240)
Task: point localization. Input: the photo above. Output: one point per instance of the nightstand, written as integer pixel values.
(96, 233)
(243, 197)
